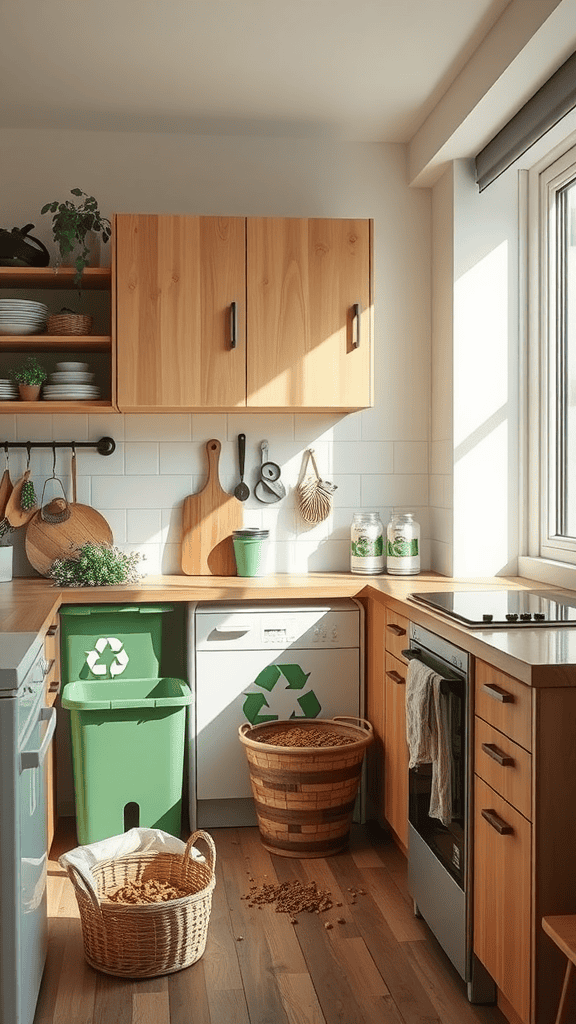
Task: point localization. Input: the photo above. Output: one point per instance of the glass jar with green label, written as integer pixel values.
(367, 544)
(403, 545)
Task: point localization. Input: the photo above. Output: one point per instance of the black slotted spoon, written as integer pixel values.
(241, 491)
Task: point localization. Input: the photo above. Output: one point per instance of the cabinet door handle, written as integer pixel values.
(395, 677)
(233, 324)
(357, 313)
(497, 693)
(496, 754)
(497, 823)
(397, 630)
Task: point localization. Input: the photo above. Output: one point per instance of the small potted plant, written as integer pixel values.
(72, 226)
(29, 375)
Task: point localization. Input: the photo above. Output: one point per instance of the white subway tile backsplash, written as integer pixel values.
(310, 428)
(141, 459)
(410, 457)
(139, 492)
(160, 460)
(204, 426)
(107, 424)
(144, 526)
(441, 490)
(395, 490)
(362, 457)
(7, 427)
(161, 427)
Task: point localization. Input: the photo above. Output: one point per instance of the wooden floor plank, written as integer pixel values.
(151, 1001)
(187, 989)
(444, 986)
(77, 987)
(113, 1003)
(371, 991)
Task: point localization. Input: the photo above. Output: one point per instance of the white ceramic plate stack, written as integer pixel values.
(22, 316)
(8, 390)
(71, 382)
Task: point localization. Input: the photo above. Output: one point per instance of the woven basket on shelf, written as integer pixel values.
(147, 939)
(305, 796)
(69, 323)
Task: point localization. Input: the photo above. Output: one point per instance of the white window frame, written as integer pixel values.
(549, 557)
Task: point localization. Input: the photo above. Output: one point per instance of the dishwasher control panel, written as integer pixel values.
(277, 628)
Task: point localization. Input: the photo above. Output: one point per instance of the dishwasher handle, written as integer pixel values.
(36, 758)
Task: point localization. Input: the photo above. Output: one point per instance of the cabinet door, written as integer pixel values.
(307, 348)
(396, 749)
(177, 280)
(502, 842)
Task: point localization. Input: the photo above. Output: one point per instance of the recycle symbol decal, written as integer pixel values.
(117, 666)
(268, 678)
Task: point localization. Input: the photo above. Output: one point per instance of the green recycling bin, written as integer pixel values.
(127, 718)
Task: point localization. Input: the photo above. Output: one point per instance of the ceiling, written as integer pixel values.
(360, 70)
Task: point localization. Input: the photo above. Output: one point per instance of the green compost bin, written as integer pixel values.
(127, 754)
(123, 670)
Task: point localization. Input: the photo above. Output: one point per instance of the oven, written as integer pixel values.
(439, 855)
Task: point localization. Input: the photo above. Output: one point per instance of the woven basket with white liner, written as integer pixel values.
(305, 796)
(314, 494)
(148, 939)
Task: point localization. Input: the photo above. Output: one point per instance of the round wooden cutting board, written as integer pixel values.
(45, 542)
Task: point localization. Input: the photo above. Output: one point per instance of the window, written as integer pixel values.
(552, 359)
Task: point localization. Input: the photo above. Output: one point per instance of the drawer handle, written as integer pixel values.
(397, 630)
(498, 694)
(52, 630)
(395, 677)
(54, 687)
(497, 823)
(497, 755)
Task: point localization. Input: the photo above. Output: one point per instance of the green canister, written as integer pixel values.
(367, 544)
(250, 551)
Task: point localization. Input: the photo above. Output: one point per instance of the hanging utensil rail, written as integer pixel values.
(105, 446)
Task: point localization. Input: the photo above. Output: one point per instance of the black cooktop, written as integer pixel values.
(485, 609)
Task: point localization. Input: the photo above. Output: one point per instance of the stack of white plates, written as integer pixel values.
(22, 316)
(8, 390)
(69, 392)
(70, 383)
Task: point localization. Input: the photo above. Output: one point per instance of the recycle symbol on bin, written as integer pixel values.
(117, 665)
(268, 678)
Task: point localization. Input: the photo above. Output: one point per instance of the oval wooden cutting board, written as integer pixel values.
(45, 542)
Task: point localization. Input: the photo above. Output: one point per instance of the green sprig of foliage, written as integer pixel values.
(96, 565)
(72, 222)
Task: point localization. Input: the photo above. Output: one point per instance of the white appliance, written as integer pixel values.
(26, 731)
(261, 662)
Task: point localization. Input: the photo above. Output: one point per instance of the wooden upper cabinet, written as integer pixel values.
(177, 280)
(309, 313)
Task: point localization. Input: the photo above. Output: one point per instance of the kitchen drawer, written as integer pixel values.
(505, 703)
(396, 638)
(505, 766)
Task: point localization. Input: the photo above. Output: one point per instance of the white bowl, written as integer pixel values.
(67, 367)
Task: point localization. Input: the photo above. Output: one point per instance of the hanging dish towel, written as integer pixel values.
(314, 494)
(427, 735)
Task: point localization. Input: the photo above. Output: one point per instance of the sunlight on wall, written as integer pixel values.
(480, 416)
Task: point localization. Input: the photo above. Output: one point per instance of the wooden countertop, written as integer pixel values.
(540, 656)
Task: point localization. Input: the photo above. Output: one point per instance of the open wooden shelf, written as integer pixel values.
(46, 408)
(95, 278)
(55, 342)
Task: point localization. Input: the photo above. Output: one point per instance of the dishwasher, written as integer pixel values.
(263, 662)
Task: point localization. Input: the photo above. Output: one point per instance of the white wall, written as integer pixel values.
(377, 457)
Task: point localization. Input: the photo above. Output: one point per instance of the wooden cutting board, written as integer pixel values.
(45, 542)
(208, 519)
